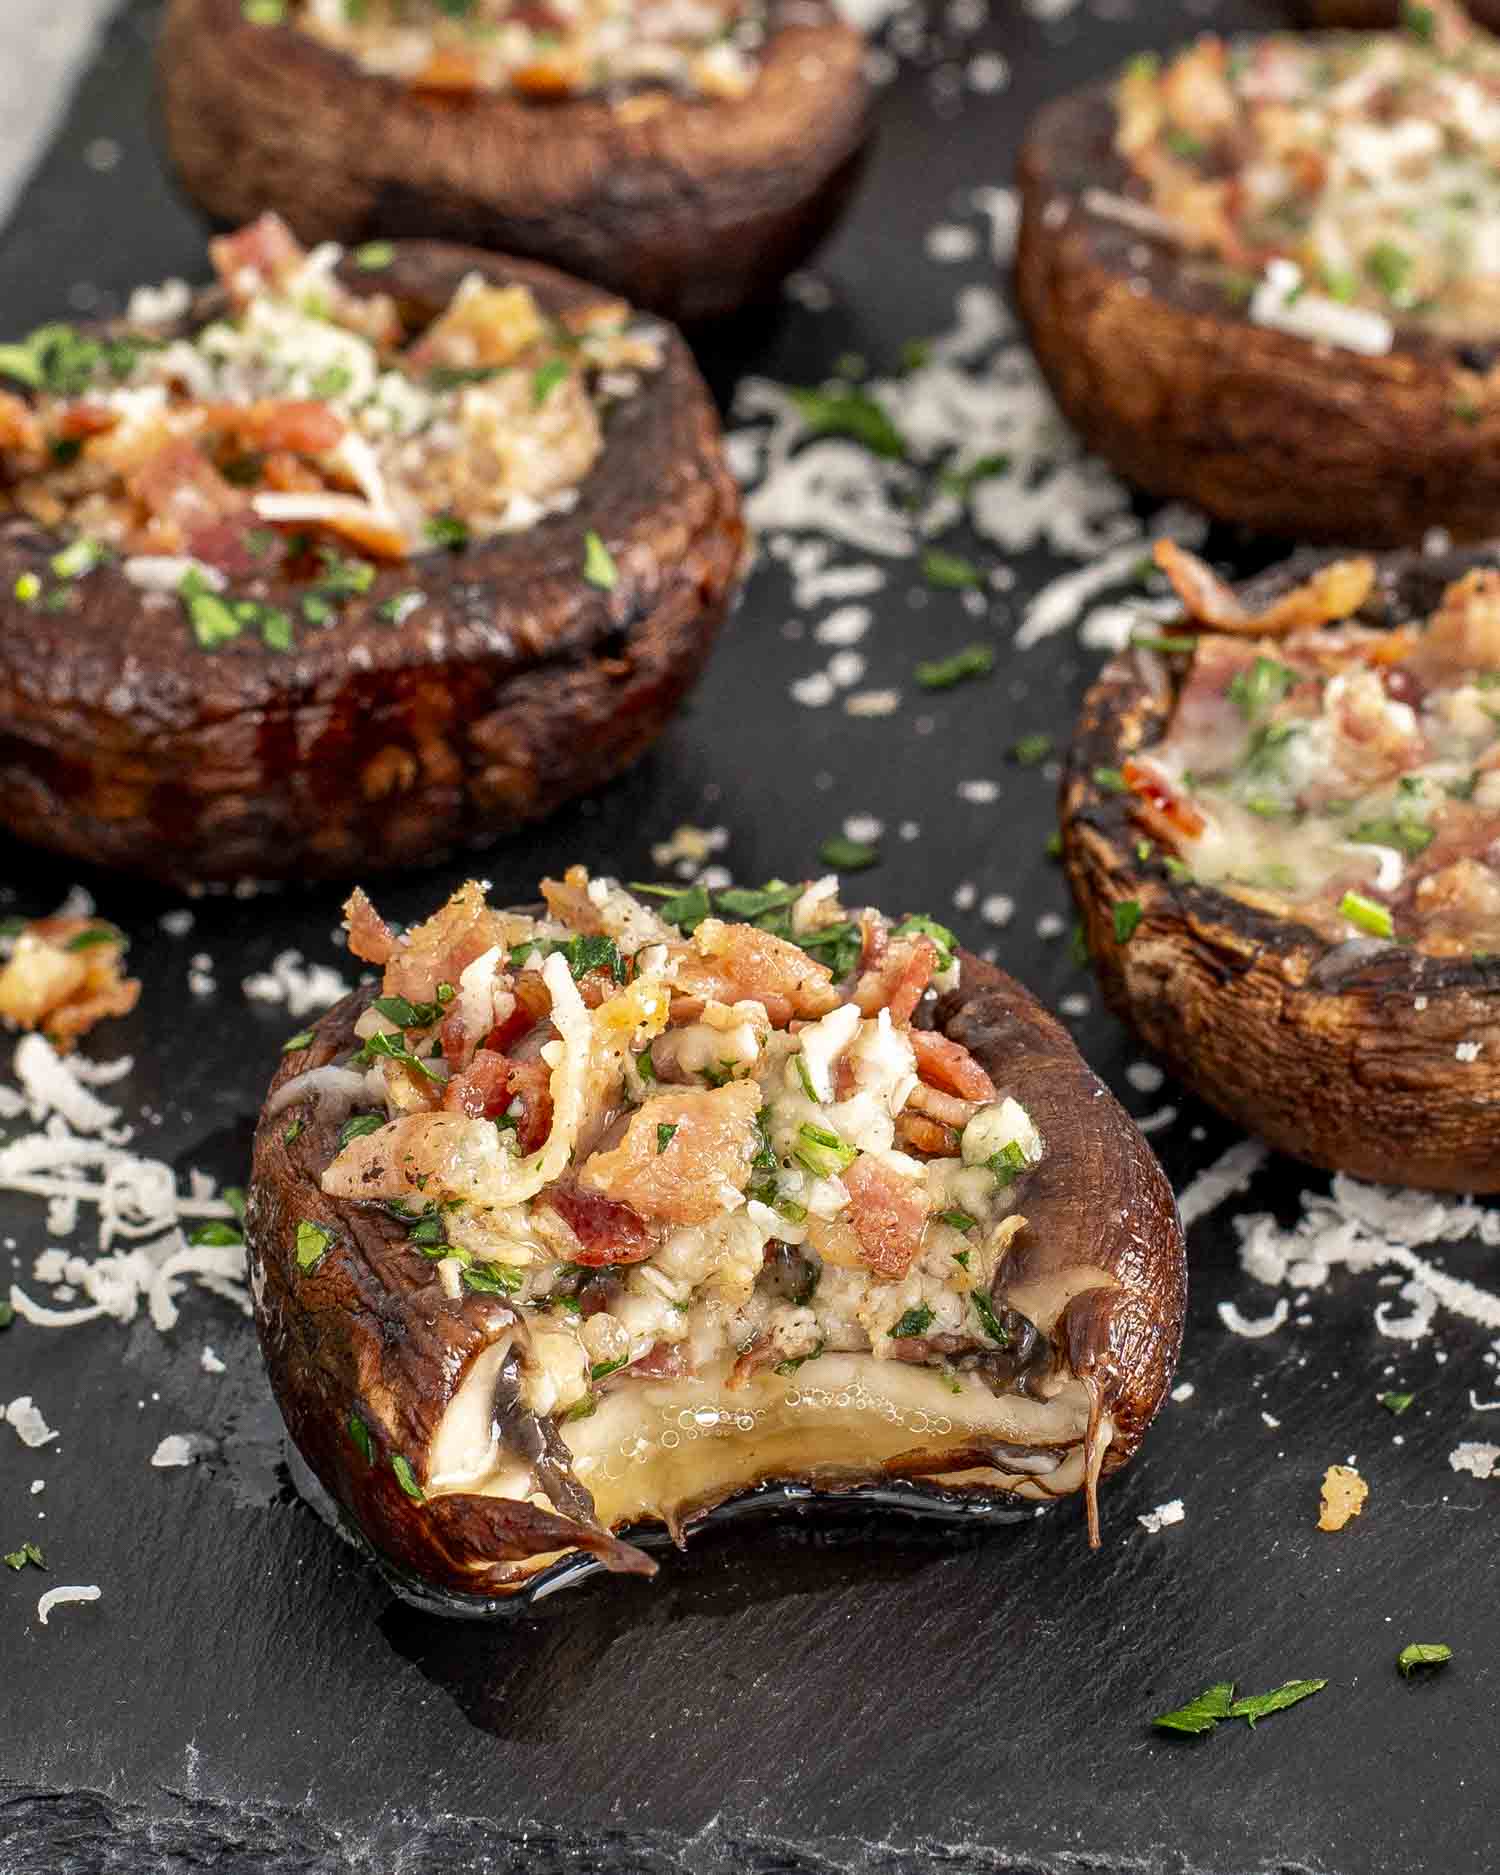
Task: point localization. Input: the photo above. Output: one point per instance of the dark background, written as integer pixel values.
(785, 1698)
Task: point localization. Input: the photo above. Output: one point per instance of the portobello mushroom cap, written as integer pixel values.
(1191, 399)
(692, 209)
(371, 1362)
(513, 687)
(1342, 1055)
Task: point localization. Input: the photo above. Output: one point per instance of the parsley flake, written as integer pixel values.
(1418, 1654)
(312, 1245)
(1201, 1714)
(943, 673)
(848, 855)
(407, 1478)
(599, 568)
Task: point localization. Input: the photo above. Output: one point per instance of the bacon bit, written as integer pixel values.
(545, 81)
(732, 963)
(448, 69)
(666, 1361)
(83, 420)
(949, 1065)
(532, 1006)
(760, 1353)
(1342, 1497)
(20, 431)
(946, 1109)
(709, 1155)
(483, 325)
(483, 1090)
(370, 937)
(287, 474)
(44, 985)
(1164, 807)
(530, 1082)
(302, 426)
(441, 948)
(888, 1213)
(569, 902)
(1333, 592)
(1464, 634)
(898, 982)
(191, 508)
(921, 1134)
(265, 253)
(608, 1230)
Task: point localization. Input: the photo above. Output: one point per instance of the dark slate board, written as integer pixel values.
(785, 1698)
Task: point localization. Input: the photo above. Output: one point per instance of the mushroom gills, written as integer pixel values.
(665, 1450)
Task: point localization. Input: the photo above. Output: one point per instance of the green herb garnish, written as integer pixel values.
(1127, 919)
(312, 1244)
(943, 673)
(301, 1039)
(1201, 1714)
(374, 255)
(359, 1432)
(960, 482)
(851, 413)
(988, 1320)
(1367, 915)
(957, 1220)
(1417, 1654)
(914, 1322)
(599, 568)
(848, 855)
(1397, 1403)
(664, 1136)
(949, 570)
(407, 1478)
(27, 1553)
(1261, 686)
(1110, 781)
(1031, 750)
(820, 1151)
(358, 1126)
(446, 530)
(1260, 1705)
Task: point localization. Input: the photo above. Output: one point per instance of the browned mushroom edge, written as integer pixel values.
(691, 211)
(1340, 1055)
(1163, 376)
(513, 688)
(369, 1333)
(1367, 15)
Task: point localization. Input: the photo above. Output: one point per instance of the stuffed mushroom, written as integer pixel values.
(349, 561)
(1263, 276)
(686, 156)
(595, 1218)
(1281, 821)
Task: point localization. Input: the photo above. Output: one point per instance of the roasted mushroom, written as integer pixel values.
(689, 188)
(1281, 821)
(595, 1221)
(1257, 277)
(348, 562)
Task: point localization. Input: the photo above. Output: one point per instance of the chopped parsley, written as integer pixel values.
(599, 568)
(1397, 1403)
(1261, 686)
(7, 1315)
(949, 570)
(446, 530)
(1289, 1693)
(914, 1322)
(940, 935)
(77, 558)
(944, 673)
(292, 1133)
(1417, 1654)
(302, 1039)
(28, 588)
(1110, 781)
(407, 1014)
(385, 1046)
(374, 255)
(490, 1279)
(407, 1478)
(664, 1136)
(957, 1220)
(601, 1370)
(95, 935)
(1008, 1163)
(359, 1432)
(851, 413)
(312, 1244)
(820, 1151)
(848, 855)
(1407, 834)
(1367, 915)
(1167, 646)
(1031, 750)
(988, 1319)
(358, 1125)
(583, 954)
(1389, 267)
(960, 482)
(398, 608)
(27, 1553)
(546, 378)
(217, 1231)
(212, 620)
(1201, 1714)
(1127, 919)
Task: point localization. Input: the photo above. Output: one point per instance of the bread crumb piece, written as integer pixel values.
(1343, 1497)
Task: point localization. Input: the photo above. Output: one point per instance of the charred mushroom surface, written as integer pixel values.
(1229, 305)
(1329, 982)
(691, 204)
(249, 632)
(593, 1222)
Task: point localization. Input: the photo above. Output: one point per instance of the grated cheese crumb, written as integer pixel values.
(980, 792)
(27, 1421)
(1184, 1390)
(1164, 1515)
(1480, 1461)
(175, 1449)
(1468, 1051)
(60, 1597)
(301, 986)
(872, 703)
(1342, 1497)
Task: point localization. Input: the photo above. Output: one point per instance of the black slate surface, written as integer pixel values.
(784, 1698)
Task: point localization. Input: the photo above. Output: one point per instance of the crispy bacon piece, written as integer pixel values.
(888, 1214)
(20, 431)
(370, 937)
(898, 980)
(608, 1230)
(45, 985)
(440, 949)
(732, 963)
(688, 1177)
(1160, 807)
(483, 1090)
(949, 1065)
(1334, 592)
(915, 1132)
(1464, 634)
(531, 1083)
(83, 420)
(263, 254)
(301, 426)
(191, 508)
